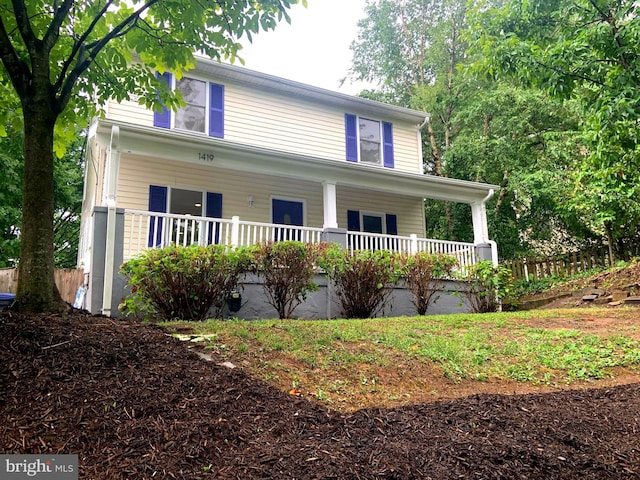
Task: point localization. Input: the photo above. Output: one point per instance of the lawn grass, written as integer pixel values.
(465, 346)
(478, 347)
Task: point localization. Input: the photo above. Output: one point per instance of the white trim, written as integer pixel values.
(111, 190)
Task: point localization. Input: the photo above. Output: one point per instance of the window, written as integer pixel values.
(372, 222)
(369, 141)
(370, 151)
(192, 116)
(204, 109)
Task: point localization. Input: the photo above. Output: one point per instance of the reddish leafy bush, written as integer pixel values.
(183, 282)
(363, 280)
(287, 269)
(424, 275)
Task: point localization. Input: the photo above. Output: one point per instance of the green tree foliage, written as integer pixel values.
(68, 183)
(587, 50)
(10, 200)
(529, 144)
(56, 56)
(480, 130)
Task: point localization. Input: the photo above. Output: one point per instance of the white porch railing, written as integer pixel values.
(465, 253)
(144, 230)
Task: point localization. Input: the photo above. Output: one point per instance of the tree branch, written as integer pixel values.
(77, 46)
(16, 68)
(53, 32)
(82, 64)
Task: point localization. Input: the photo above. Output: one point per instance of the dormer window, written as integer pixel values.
(204, 109)
(369, 141)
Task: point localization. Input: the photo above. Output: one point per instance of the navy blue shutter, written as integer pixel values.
(353, 220)
(392, 224)
(216, 110)
(157, 203)
(351, 136)
(214, 210)
(163, 118)
(387, 141)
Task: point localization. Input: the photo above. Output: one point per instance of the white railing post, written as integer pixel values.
(235, 231)
(414, 244)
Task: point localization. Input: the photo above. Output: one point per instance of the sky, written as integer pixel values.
(314, 49)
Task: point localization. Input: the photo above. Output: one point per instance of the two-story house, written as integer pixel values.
(252, 157)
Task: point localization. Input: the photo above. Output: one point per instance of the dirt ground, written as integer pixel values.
(134, 403)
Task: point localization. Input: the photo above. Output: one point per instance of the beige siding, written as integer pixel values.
(287, 124)
(235, 188)
(137, 173)
(409, 210)
(130, 111)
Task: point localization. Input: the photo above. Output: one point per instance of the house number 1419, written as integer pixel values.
(206, 157)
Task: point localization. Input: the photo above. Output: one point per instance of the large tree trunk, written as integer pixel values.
(37, 291)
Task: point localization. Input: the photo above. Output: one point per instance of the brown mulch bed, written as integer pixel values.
(134, 403)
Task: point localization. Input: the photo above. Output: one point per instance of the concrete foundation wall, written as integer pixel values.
(324, 303)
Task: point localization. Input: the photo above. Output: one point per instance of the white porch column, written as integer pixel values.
(330, 205)
(112, 185)
(479, 218)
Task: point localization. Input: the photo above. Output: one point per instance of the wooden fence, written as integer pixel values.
(560, 266)
(67, 280)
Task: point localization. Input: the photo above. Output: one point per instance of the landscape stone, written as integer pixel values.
(589, 298)
(632, 301)
(603, 300)
(618, 295)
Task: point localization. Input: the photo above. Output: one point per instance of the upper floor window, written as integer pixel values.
(192, 116)
(204, 109)
(369, 141)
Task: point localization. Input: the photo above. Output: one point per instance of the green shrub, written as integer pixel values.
(183, 283)
(287, 269)
(485, 285)
(424, 275)
(363, 280)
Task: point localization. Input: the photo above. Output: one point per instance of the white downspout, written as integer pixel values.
(109, 254)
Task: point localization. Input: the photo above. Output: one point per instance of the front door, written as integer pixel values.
(287, 212)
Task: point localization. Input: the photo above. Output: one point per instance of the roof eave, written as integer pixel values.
(235, 156)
